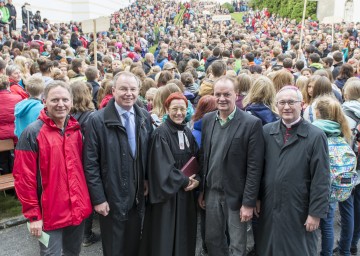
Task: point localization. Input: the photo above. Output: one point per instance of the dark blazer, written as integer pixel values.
(242, 158)
(105, 158)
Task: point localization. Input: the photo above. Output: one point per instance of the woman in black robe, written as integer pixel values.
(170, 218)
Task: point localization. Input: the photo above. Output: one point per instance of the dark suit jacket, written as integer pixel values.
(242, 158)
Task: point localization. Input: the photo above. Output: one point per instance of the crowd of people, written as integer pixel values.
(271, 123)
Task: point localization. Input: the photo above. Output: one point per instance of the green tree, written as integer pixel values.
(287, 8)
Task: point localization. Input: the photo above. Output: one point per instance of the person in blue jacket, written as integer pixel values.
(260, 101)
(28, 110)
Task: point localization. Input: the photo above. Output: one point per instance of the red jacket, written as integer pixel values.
(17, 89)
(8, 101)
(105, 101)
(55, 157)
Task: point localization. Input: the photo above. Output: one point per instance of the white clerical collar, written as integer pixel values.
(290, 125)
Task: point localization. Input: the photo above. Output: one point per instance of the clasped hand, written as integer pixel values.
(193, 183)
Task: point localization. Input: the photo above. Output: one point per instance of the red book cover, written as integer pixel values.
(191, 167)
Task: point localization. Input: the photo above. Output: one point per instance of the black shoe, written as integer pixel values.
(92, 239)
(252, 252)
(353, 250)
(336, 252)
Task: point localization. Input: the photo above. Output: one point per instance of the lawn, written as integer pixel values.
(9, 206)
(237, 16)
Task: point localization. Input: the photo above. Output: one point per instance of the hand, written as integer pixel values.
(36, 228)
(201, 200)
(102, 209)
(192, 183)
(146, 187)
(312, 223)
(257, 209)
(246, 213)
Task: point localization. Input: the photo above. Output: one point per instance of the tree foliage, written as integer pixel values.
(292, 9)
(229, 7)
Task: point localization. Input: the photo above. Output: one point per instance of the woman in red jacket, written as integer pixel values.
(8, 101)
(14, 74)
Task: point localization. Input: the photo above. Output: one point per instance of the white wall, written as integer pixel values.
(65, 10)
(339, 9)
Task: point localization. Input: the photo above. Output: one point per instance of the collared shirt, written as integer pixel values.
(290, 125)
(121, 111)
(223, 122)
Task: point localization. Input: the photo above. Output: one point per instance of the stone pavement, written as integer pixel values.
(16, 241)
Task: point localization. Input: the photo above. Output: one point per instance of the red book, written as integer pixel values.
(191, 167)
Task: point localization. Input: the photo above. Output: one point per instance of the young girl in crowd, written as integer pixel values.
(331, 119)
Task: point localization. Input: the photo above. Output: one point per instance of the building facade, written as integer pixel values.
(66, 10)
(348, 10)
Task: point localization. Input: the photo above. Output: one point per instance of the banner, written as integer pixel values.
(221, 17)
(102, 24)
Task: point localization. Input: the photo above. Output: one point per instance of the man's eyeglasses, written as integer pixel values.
(291, 103)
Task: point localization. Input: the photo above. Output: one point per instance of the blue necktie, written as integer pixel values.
(130, 130)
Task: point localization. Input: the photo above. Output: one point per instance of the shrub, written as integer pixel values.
(229, 6)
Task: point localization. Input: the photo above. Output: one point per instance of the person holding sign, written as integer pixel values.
(170, 219)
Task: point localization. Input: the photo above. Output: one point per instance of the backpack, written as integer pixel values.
(342, 169)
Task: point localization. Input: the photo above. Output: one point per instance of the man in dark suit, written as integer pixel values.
(231, 161)
(115, 158)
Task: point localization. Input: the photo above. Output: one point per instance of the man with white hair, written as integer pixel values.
(149, 62)
(295, 185)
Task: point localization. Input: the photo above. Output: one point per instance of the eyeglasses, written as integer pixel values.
(291, 103)
(175, 110)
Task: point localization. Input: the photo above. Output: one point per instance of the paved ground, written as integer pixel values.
(16, 241)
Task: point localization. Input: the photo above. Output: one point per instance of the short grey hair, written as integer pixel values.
(127, 74)
(291, 88)
(11, 69)
(54, 84)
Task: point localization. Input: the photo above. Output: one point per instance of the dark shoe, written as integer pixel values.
(252, 252)
(353, 250)
(336, 252)
(92, 239)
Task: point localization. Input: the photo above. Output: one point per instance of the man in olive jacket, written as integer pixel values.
(115, 158)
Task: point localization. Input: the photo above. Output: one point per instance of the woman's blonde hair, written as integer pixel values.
(282, 78)
(302, 83)
(328, 108)
(262, 91)
(160, 97)
(352, 89)
(82, 98)
(21, 62)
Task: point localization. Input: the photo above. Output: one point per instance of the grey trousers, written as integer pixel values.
(218, 215)
(64, 241)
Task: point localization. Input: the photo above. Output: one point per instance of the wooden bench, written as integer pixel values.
(7, 180)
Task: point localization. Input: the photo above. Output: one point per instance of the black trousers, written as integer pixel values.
(121, 237)
(6, 162)
(12, 25)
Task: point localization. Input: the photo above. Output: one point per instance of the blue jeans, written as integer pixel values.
(327, 232)
(346, 209)
(356, 234)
